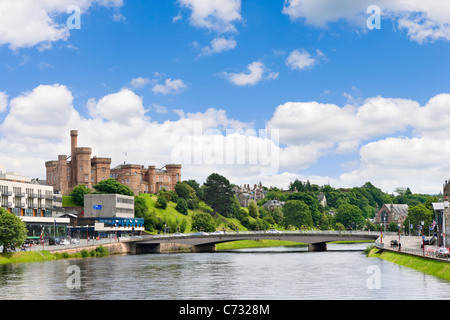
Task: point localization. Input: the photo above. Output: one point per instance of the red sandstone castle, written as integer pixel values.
(79, 168)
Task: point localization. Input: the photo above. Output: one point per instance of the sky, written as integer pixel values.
(334, 92)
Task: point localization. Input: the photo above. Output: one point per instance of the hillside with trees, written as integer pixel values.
(192, 207)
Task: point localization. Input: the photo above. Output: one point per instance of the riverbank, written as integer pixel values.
(440, 269)
(44, 255)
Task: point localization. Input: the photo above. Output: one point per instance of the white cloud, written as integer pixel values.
(122, 107)
(257, 72)
(140, 82)
(395, 142)
(170, 87)
(215, 15)
(423, 22)
(29, 23)
(159, 109)
(3, 101)
(40, 113)
(301, 59)
(219, 45)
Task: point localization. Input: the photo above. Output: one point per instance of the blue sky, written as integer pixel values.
(338, 93)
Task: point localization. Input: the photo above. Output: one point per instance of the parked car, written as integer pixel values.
(74, 240)
(273, 231)
(64, 242)
(442, 253)
(54, 241)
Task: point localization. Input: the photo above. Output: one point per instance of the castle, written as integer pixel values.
(80, 168)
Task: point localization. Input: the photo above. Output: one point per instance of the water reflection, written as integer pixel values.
(283, 273)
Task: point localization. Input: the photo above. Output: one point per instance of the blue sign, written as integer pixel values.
(98, 207)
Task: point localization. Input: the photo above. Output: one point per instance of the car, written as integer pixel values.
(442, 253)
(54, 241)
(64, 242)
(218, 232)
(74, 240)
(273, 231)
(177, 234)
(201, 233)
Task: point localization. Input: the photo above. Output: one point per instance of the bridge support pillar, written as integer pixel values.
(317, 247)
(204, 248)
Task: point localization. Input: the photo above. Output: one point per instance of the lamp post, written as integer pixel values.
(381, 231)
(423, 237)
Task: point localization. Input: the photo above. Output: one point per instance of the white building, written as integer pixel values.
(32, 201)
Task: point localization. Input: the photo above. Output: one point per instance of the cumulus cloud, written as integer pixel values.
(169, 87)
(392, 142)
(214, 15)
(219, 45)
(256, 72)
(423, 23)
(124, 106)
(28, 23)
(301, 59)
(139, 82)
(3, 101)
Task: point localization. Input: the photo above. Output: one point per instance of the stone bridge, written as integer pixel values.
(317, 240)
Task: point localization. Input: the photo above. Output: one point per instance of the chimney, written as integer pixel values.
(73, 141)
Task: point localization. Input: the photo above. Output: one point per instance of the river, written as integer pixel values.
(284, 273)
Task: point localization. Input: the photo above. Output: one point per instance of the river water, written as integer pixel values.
(343, 272)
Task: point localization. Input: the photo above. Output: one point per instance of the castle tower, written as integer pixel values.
(83, 167)
(174, 170)
(62, 174)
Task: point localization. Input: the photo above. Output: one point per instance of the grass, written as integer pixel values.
(39, 256)
(68, 202)
(23, 257)
(257, 244)
(440, 269)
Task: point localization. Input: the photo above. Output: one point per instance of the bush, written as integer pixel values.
(182, 206)
(84, 253)
(101, 251)
(161, 202)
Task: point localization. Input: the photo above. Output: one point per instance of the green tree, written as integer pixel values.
(420, 213)
(297, 214)
(140, 207)
(161, 201)
(78, 193)
(184, 191)
(13, 231)
(218, 193)
(253, 210)
(202, 221)
(350, 216)
(113, 187)
(196, 186)
(182, 206)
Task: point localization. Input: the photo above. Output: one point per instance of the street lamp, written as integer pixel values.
(381, 230)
